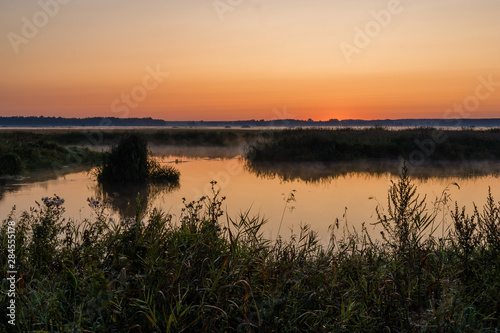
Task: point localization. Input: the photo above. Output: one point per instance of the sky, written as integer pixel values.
(250, 59)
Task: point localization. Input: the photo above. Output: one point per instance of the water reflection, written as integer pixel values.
(123, 197)
(322, 192)
(312, 173)
(4, 188)
(37, 178)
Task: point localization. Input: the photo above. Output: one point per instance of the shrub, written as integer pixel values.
(407, 220)
(129, 160)
(11, 164)
(489, 223)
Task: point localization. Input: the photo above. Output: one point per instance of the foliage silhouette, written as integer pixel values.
(129, 161)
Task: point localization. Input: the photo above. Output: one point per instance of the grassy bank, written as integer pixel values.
(377, 144)
(209, 273)
(167, 136)
(23, 151)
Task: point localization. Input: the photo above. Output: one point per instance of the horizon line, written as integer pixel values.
(254, 119)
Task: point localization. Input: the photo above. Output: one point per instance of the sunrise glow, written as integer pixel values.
(318, 59)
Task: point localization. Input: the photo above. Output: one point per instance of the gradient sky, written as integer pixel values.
(260, 56)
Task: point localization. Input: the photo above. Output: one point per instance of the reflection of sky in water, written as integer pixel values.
(318, 203)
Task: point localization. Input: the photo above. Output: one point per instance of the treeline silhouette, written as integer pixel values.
(112, 121)
(66, 122)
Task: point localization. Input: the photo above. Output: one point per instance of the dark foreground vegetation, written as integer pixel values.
(211, 273)
(421, 145)
(20, 152)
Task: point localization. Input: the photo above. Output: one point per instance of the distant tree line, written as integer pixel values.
(64, 122)
(493, 122)
(102, 121)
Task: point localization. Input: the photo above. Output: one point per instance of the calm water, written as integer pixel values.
(322, 194)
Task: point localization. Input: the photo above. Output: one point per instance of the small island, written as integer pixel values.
(130, 161)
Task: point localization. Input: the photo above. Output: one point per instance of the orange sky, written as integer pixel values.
(413, 59)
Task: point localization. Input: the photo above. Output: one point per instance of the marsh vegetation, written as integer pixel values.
(210, 272)
(37, 148)
(204, 270)
(19, 153)
(377, 144)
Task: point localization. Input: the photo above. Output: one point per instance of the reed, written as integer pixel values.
(208, 272)
(376, 144)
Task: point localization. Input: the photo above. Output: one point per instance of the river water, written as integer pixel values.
(321, 194)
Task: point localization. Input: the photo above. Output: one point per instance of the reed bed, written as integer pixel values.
(208, 272)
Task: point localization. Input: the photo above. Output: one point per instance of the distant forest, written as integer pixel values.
(150, 122)
(77, 122)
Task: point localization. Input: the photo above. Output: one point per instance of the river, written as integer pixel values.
(320, 194)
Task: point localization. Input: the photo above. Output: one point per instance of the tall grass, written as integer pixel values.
(345, 144)
(208, 272)
(166, 136)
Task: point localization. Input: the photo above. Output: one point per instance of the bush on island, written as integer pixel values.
(129, 161)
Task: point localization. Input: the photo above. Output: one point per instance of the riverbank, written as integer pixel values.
(96, 137)
(21, 151)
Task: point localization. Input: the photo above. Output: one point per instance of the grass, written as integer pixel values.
(19, 152)
(208, 272)
(24, 151)
(167, 136)
(377, 144)
(386, 142)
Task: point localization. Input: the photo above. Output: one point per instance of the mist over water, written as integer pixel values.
(170, 152)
